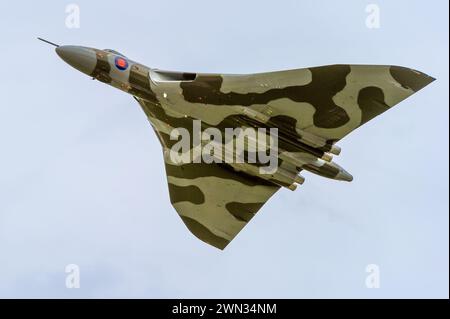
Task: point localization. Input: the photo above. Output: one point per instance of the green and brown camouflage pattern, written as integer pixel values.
(312, 108)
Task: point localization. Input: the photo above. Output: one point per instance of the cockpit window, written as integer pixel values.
(115, 52)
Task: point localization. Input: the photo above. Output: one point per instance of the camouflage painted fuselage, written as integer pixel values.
(311, 108)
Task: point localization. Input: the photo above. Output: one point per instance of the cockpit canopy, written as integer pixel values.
(115, 52)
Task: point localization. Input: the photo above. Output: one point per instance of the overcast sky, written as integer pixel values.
(82, 178)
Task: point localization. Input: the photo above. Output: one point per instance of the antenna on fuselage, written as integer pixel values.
(51, 43)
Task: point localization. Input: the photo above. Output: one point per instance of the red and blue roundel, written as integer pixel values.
(121, 63)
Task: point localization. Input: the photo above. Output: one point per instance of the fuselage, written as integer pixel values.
(110, 67)
(153, 86)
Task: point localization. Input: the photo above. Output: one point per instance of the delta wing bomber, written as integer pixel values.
(232, 141)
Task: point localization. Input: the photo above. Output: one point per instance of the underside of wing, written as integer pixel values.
(310, 108)
(327, 101)
(214, 201)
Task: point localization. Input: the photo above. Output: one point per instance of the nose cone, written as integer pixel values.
(81, 58)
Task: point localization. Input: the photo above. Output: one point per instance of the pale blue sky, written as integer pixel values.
(82, 178)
